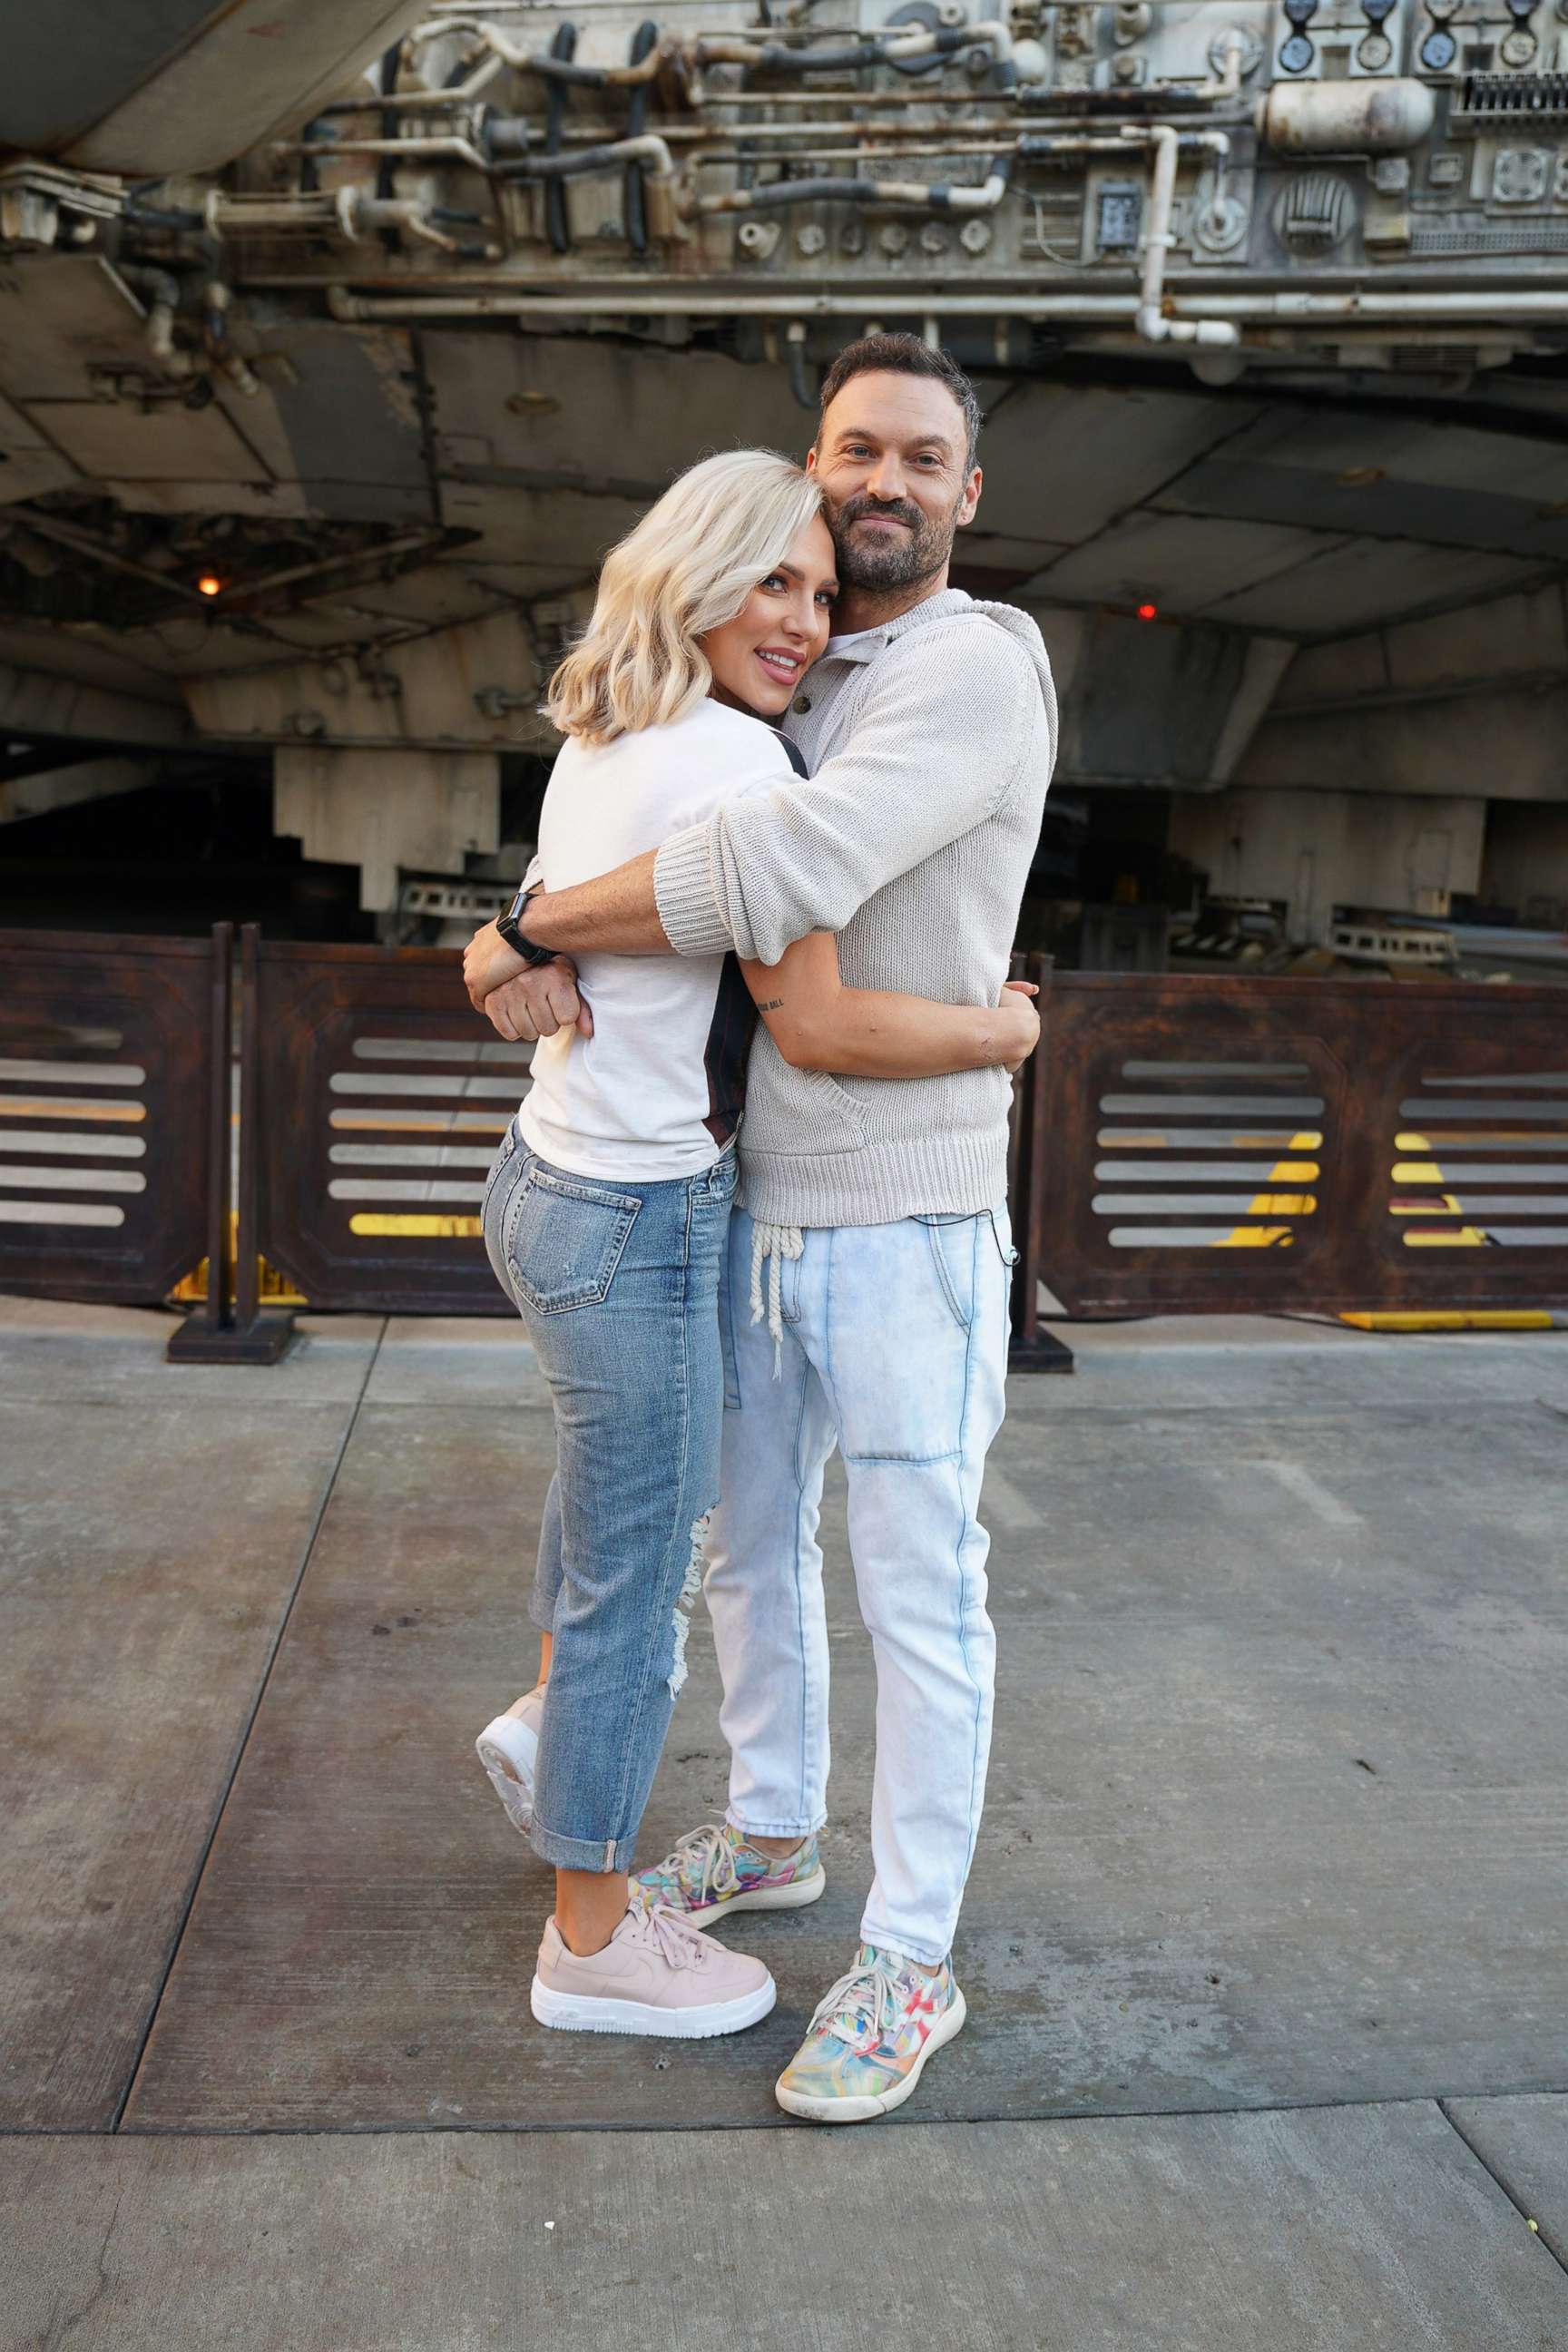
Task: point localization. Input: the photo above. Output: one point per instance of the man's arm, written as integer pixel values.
(945, 729)
(951, 716)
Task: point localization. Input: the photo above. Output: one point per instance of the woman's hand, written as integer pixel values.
(488, 964)
(1021, 1024)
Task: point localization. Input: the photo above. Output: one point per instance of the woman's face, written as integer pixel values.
(760, 656)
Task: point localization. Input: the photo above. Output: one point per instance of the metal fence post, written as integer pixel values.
(232, 1329)
(1033, 1350)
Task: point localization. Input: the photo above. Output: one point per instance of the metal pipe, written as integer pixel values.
(1354, 308)
(778, 194)
(1154, 323)
(575, 161)
(876, 49)
(452, 149)
(557, 69)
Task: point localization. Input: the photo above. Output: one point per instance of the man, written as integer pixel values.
(874, 1243)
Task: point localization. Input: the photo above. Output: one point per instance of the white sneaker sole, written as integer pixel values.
(585, 2013)
(509, 1751)
(868, 2107)
(794, 1897)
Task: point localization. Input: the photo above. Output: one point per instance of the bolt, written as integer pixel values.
(934, 239)
(974, 236)
(894, 237)
(811, 239)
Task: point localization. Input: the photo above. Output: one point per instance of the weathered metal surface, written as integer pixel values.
(1234, 1143)
(105, 1111)
(381, 1098)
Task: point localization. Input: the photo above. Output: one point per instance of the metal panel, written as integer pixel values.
(104, 1112)
(1231, 1144)
(373, 1050)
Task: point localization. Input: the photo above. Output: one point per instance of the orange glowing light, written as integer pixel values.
(1148, 612)
(210, 585)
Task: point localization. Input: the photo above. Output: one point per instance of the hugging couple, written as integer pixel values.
(855, 880)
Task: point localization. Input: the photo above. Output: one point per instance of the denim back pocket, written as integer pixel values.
(563, 1239)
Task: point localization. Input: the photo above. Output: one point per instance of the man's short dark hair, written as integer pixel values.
(907, 355)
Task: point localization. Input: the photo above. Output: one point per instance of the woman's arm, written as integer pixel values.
(817, 1023)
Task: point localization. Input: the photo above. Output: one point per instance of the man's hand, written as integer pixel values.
(541, 1000)
(488, 962)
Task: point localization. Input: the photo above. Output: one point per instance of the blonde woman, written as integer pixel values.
(605, 1214)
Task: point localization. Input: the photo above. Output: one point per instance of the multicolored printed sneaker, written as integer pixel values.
(870, 2038)
(715, 1871)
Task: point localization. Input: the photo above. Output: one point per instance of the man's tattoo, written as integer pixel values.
(774, 1004)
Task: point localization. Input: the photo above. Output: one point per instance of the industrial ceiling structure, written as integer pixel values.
(337, 344)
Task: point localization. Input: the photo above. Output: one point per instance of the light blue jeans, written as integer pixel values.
(618, 1286)
(895, 1349)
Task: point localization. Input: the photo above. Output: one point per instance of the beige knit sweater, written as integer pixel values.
(931, 744)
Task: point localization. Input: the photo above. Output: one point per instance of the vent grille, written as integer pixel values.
(1209, 1155)
(1499, 237)
(1483, 1163)
(72, 1132)
(1538, 95)
(413, 1143)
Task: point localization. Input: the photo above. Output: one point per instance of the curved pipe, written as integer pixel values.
(1154, 323)
(556, 65)
(645, 44)
(940, 198)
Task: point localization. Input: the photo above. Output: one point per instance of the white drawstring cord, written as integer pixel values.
(773, 1242)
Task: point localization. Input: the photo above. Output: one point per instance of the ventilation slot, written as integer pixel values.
(1209, 1155)
(71, 1134)
(1483, 1163)
(414, 1143)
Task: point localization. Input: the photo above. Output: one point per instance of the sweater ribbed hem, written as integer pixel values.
(684, 895)
(876, 1184)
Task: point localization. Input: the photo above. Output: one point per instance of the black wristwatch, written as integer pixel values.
(507, 925)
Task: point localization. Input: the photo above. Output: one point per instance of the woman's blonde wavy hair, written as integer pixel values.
(688, 567)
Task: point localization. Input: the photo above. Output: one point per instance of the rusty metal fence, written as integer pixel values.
(106, 1110)
(1179, 1145)
(1209, 1145)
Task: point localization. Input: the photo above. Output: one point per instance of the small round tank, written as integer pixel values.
(1345, 118)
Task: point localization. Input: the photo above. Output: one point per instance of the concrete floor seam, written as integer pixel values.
(306, 1551)
(1492, 2172)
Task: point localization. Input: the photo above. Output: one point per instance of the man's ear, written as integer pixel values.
(969, 499)
(811, 459)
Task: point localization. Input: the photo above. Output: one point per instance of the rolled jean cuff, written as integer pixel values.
(601, 1855)
(773, 1828)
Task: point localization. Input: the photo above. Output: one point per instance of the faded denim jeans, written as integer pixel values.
(895, 1349)
(618, 1286)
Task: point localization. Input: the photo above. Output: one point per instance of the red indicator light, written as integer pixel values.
(210, 585)
(1148, 612)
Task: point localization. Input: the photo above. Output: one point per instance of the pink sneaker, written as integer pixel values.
(509, 1751)
(656, 1975)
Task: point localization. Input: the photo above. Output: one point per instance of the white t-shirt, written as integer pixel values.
(656, 1091)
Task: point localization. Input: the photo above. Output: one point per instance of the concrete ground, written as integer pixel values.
(1264, 1948)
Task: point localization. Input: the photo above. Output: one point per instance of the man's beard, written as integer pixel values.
(892, 559)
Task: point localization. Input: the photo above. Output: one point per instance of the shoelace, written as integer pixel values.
(860, 2008)
(682, 1946)
(707, 1856)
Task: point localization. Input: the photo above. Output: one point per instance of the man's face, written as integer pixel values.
(890, 456)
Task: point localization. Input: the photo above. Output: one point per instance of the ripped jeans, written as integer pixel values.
(618, 1286)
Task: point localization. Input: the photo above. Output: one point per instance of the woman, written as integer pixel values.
(606, 1214)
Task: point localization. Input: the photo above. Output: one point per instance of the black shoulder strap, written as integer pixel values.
(795, 755)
